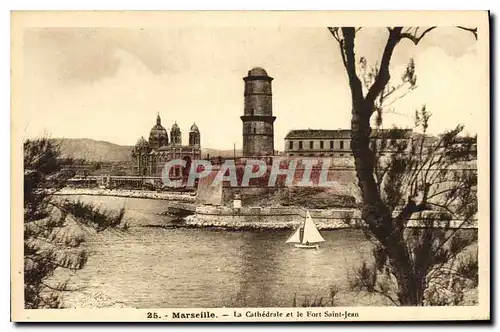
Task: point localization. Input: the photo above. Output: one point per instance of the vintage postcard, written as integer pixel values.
(250, 166)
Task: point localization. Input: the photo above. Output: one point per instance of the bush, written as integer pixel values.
(54, 230)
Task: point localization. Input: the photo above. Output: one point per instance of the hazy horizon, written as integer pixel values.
(108, 84)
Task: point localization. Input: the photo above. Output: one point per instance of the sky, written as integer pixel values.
(109, 83)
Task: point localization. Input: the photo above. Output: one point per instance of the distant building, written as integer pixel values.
(258, 119)
(151, 156)
(78, 167)
(332, 143)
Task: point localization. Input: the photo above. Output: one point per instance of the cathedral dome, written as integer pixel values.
(194, 128)
(257, 71)
(158, 135)
(158, 131)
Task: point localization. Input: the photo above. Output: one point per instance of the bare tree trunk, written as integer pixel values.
(410, 292)
(374, 212)
(409, 271)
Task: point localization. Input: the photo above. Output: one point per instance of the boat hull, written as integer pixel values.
(306, 246)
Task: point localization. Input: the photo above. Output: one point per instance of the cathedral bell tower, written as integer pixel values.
(258, 119)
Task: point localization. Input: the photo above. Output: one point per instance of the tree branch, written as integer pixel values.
(465, 187)
(445, 207)
(63, 289)
(350, 62)
(384, 294)
(413, 36)
(335, 33)
(450, 236)
(410, 208)
(471, 30)
(383, 75)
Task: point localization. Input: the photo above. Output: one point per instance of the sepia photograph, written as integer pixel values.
(237, 166)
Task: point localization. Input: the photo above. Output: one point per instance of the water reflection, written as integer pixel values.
(260, 265)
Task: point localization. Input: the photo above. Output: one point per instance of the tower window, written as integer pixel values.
(311, 144)
(331, 145)
(291, 145)
(300, 145)
(321, 145)
(341, 145)
(254, 130)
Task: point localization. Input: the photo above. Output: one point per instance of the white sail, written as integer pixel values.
(295, 238)
(311, 234)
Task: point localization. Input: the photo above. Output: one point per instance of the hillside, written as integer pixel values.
(92, 150)
(217, 153)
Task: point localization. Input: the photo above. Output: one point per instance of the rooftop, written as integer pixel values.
(257, 71)
(345, 133)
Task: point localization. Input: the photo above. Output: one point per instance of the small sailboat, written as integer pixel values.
(307, 235)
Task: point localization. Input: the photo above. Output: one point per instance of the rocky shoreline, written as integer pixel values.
(195, 221)
(269, 223)
(248, 218)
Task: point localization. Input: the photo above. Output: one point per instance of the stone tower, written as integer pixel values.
(258, 119)
(175, 135)
(194, 136)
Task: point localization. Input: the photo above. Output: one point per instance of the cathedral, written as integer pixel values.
(151, 155)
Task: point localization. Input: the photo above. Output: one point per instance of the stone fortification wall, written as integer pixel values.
(281, 218)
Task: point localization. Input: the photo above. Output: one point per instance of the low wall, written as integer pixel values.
(184, 197)
(283, 218)
(259, 222)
